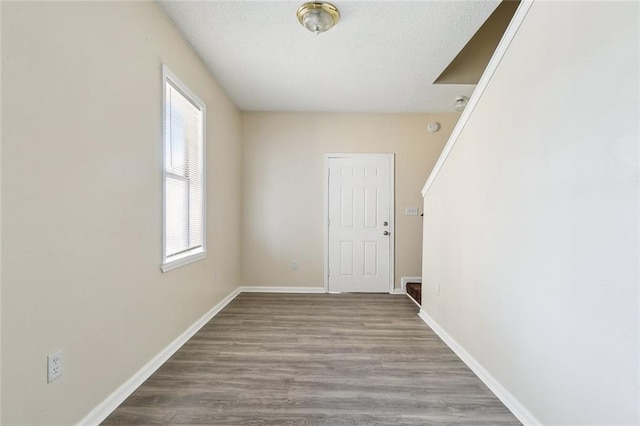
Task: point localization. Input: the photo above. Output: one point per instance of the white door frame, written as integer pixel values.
(392, 240)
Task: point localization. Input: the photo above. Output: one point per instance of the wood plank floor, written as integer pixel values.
(314, 359)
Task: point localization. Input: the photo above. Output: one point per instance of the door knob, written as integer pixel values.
(385, 233)
(386, 223)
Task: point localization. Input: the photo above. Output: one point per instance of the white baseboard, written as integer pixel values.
(405, 280)
(503, 394)
(266, 289)
(102, 410)
(414, 301)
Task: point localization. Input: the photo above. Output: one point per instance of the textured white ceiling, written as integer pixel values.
(381, 57)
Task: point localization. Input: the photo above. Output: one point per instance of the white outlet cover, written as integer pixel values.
(54, 366)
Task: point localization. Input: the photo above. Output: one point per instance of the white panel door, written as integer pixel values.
(359, 221)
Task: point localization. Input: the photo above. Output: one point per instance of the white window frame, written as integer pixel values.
(198, 253)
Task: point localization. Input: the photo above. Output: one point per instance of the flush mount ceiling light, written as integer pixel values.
(461, 103)
(318, 17)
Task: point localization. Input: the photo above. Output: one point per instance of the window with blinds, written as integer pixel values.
(184, 172)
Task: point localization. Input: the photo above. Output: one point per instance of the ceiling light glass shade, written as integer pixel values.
(318, 17)
(461, 103)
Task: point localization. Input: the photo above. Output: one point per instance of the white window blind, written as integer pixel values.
(184, 206)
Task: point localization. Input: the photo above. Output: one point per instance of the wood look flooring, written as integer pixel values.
(314, 359)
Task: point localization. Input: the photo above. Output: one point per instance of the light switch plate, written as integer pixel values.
(411, 211)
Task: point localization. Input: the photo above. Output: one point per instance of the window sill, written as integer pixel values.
(182, 261)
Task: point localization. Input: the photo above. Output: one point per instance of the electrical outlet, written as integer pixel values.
(54, 366)
(294, 265)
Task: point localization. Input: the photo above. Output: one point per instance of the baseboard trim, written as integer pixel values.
(266, 289)
(414, 301)
(106, 407)
(503, 394)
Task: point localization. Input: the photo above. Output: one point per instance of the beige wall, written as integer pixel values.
(531, 227)
(283, 160)
(82, 197)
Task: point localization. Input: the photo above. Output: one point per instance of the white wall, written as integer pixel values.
(283, 160)
(531, 227)
(82, 197)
